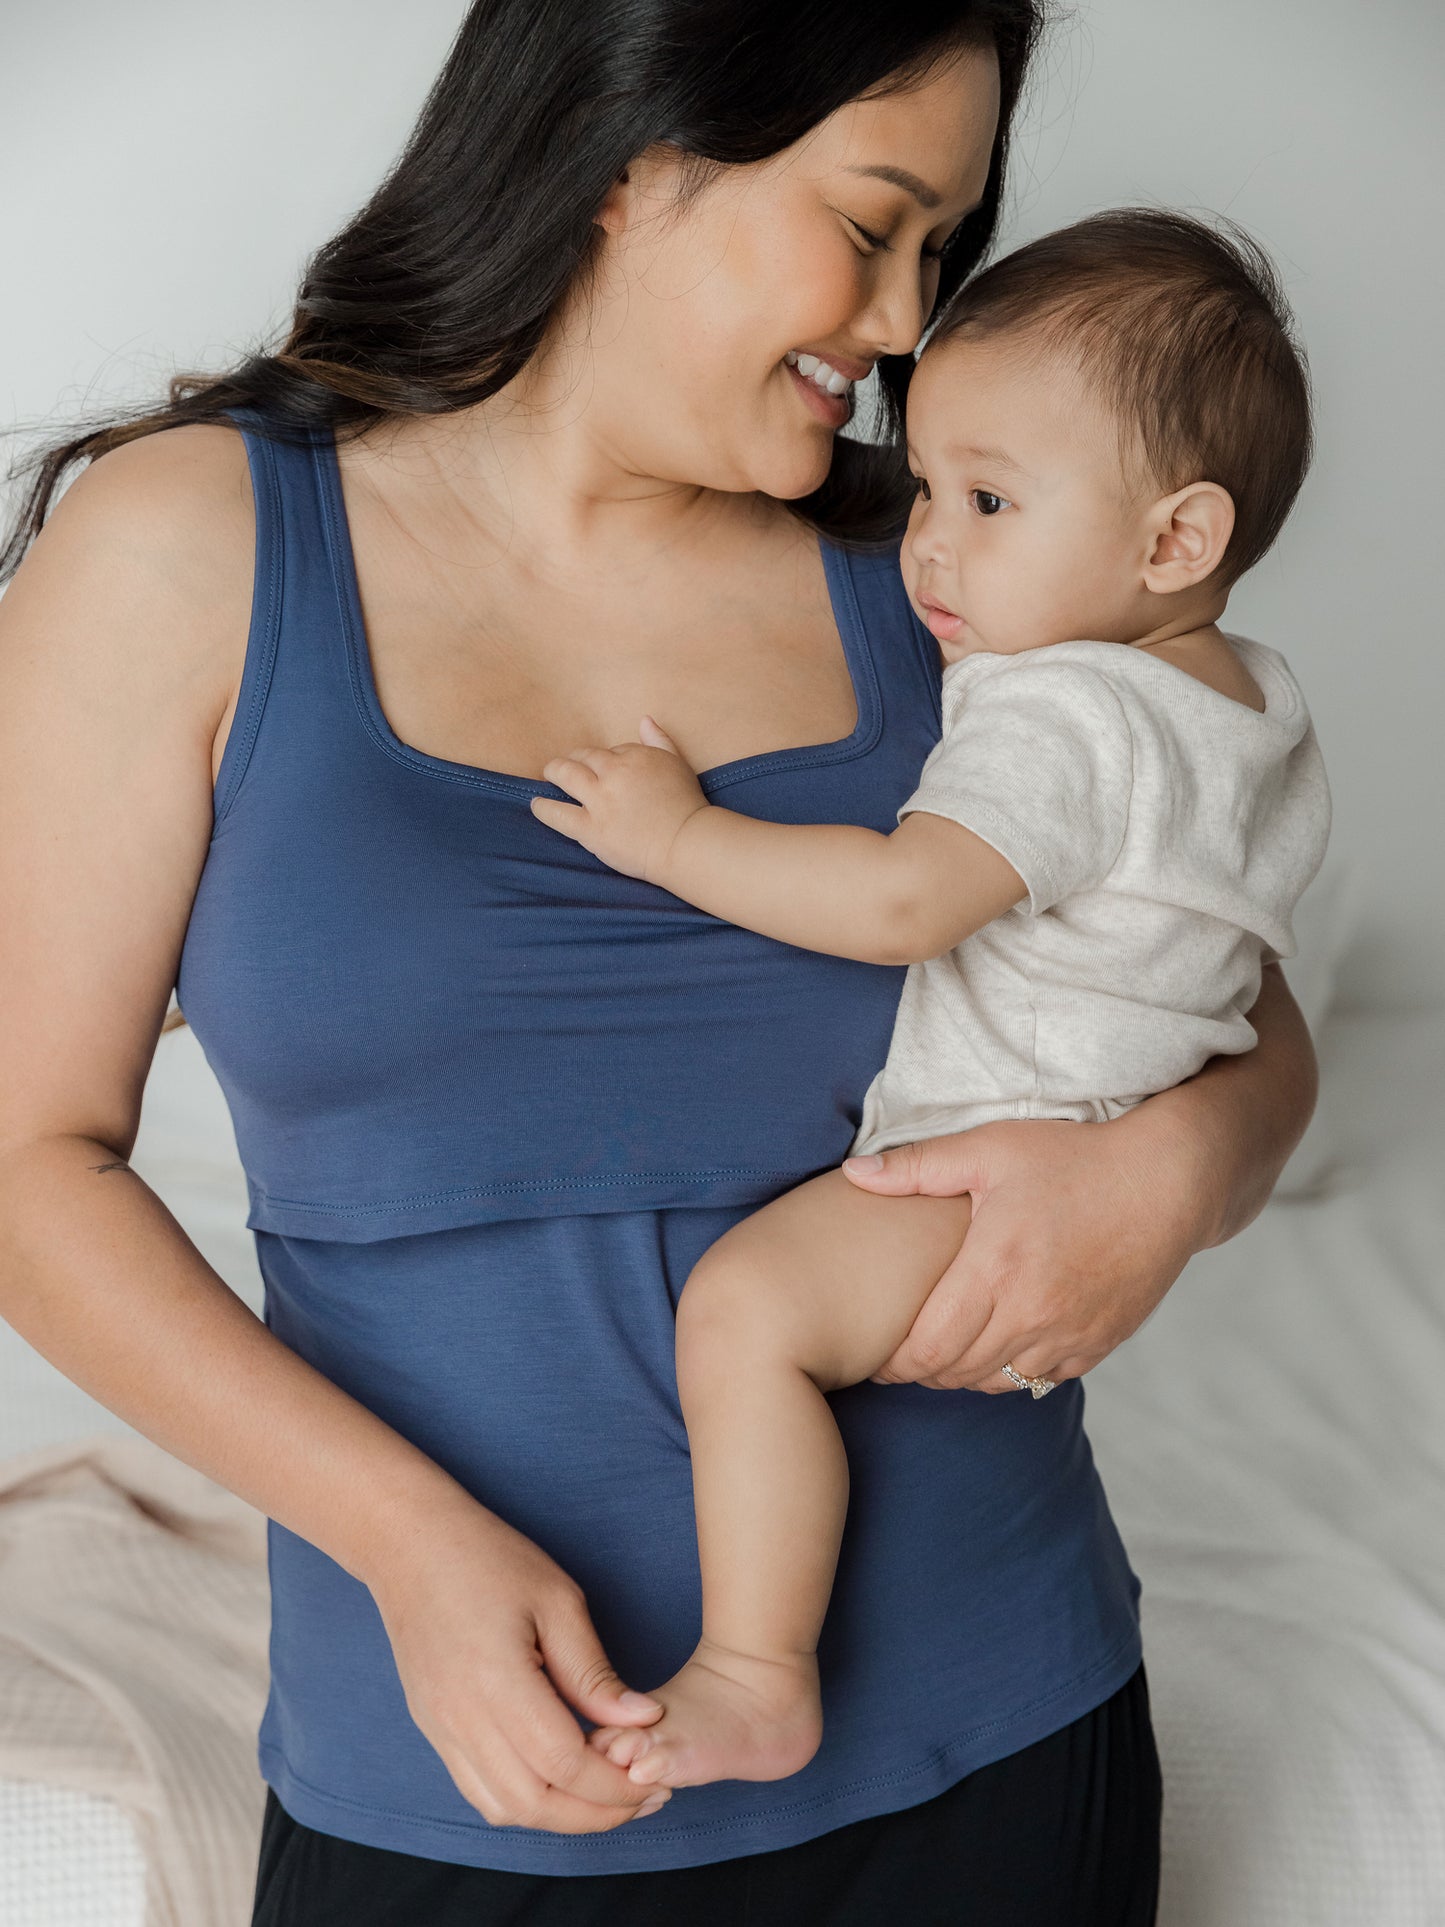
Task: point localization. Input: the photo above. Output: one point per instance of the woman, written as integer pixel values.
(273, 703)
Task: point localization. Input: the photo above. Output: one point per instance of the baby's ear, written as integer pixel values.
(1187, 534)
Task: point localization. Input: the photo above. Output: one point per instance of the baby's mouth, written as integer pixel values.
(941, 620)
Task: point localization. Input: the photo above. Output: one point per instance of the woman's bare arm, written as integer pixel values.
(1238, 1119)
(121, 639)
(118, 645)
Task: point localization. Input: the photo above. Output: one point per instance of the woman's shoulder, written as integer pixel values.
(150, 553)
(182, 493)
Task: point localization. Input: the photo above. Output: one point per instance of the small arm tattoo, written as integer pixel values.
(116, 1164)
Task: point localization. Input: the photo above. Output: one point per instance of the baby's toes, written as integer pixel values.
(631, 1743)
(651, 1768)
(602, 1736)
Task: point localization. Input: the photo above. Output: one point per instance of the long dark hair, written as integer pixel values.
(440, 289)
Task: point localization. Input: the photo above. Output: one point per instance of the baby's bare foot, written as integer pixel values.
(726, 1716)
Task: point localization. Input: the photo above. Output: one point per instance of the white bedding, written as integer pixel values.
(1273, 1449)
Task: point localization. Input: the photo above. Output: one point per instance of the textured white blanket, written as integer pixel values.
(133, 1614)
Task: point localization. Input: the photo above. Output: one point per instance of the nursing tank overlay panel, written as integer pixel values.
(421, 1049)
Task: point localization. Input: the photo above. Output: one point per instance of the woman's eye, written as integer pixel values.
(923, 488)
(988, 503)
(873, 240)
(878, 244)
(937, 254)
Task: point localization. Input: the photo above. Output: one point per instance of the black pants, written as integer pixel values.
(1064, 1833)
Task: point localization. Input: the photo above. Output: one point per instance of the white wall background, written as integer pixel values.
(166, 166)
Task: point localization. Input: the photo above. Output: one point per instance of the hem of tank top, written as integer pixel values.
(419, 1212)
(858, 654)
(263, 627)
(941, 1768)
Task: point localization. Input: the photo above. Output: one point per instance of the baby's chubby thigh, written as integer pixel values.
(829, 1276)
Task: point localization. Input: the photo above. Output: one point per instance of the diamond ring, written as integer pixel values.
(1038, 1386)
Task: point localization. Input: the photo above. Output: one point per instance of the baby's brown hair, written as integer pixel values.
(1184, 331)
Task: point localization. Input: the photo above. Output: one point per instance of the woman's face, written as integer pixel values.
(706, 316)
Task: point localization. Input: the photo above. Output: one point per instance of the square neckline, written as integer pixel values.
(843, 600)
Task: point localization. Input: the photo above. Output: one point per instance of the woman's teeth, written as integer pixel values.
(818, 372)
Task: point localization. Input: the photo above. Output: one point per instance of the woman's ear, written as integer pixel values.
(1187, 534)
(611, 217)
(646, 188)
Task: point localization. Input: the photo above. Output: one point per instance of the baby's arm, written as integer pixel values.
(832, 887)
(846, 891)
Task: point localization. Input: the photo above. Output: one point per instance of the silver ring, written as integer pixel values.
(1040, 1387)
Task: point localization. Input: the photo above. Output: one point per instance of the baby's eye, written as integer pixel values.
(986, 502)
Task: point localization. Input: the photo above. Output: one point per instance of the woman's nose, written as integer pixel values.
(896, 313)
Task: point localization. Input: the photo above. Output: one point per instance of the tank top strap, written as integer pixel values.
(905, 655)
(296, 671)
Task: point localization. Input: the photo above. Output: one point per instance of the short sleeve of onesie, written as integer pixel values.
(1036, 757)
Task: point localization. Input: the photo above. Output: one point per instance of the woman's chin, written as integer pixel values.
(798, 473)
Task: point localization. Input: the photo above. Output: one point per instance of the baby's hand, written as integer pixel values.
(632, 800)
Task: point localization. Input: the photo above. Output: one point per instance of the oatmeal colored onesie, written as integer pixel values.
(1165, 833)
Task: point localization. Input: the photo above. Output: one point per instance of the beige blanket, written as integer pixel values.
(133, 1630)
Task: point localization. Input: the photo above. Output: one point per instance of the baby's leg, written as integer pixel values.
(810, 1293)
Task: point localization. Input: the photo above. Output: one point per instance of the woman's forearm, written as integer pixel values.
(1226, 1133)
(97, 1275)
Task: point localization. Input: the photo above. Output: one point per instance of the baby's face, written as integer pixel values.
(1025, 530)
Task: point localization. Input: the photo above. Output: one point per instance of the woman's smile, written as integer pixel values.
(826, 384)
(829, 403)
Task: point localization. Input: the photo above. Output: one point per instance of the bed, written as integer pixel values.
(1273, 1446)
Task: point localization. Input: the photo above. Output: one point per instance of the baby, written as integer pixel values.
(1107, 428)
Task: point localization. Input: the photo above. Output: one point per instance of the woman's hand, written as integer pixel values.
(1079, 1229)
(632, 800)
(475, 1611)
(1072, 1245)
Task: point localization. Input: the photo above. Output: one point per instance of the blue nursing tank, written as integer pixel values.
(494, 1100)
